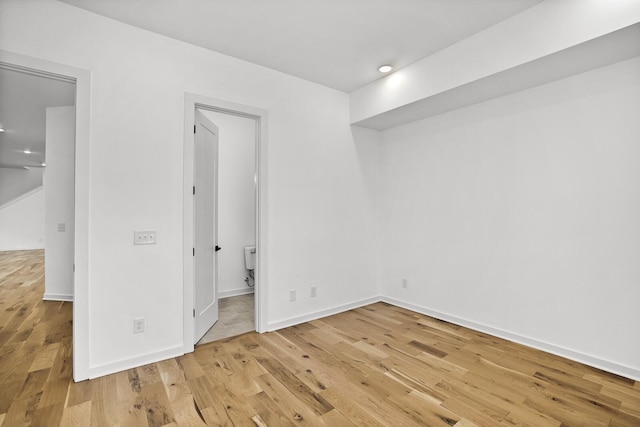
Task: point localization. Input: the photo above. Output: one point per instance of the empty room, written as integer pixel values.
(286, 212)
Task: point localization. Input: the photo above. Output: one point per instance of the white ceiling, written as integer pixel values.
(23, 102)
(337, 43)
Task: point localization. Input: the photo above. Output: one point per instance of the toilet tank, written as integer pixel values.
(250, 257)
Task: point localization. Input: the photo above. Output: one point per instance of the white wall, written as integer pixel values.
(14, 183)
(22, 222)
(321, 219)
(59, 203)
(520, 216)
(236, 199)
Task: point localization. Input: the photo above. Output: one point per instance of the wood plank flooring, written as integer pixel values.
(375, 366)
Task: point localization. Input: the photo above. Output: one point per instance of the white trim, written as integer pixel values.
(82, 78)
(292, 321)
(191, 102)
(57, 297)
(235, 292)
(134, 362)
(21, 249)
(21, 196)
(605, 365)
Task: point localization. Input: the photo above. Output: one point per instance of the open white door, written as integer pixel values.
(205, 224)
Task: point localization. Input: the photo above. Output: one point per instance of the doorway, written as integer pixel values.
(236, 223)
(225, 112)
(37, 118)
(78, 217)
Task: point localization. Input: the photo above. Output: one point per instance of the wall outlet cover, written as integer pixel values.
(138, 325)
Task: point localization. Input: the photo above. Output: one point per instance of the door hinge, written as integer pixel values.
(194, 312)
(194, 189)
(74, 268)
(194, 251)
(194, 128)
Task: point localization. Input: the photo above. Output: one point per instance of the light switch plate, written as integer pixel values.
(147, 237)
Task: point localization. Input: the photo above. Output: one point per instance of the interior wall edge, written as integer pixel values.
(595, 362)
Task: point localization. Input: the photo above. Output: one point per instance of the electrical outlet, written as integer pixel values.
(314, 292)
(138, 325)
(292, 295)
(405, 283)
(147, 237)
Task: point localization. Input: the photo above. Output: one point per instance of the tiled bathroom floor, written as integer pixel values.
(235, 317)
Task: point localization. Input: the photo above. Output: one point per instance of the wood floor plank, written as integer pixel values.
(294, 409)
(520, 416)
(54, 393)
(179, 394)
(336, 418)
(266, 412)
(76, 416)
(377, 365)
(48, 415)
(295, 386)
(156, 405)
(423, 410)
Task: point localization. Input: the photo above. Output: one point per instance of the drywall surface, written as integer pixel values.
(14, 183)
(236, 199)
(320, 218)
(521, 214)
(544, 29)
(22, 222)
(58, 182)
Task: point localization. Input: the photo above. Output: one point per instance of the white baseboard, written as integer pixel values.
(134, 362)
(57, 297)
(13, 249)
(605, 365)
(235, 292)
(320, 313)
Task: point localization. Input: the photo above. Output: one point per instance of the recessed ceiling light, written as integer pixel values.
(385, 68)
(1, 129)
(43, 164)
(27, 151)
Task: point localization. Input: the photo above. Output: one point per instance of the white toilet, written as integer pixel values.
(250, 264)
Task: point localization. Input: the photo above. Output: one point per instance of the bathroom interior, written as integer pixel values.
(236, 226)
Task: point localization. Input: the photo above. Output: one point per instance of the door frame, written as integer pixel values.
(260, 116)
(82, 79)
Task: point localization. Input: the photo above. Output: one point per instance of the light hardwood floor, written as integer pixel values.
(377, 365)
